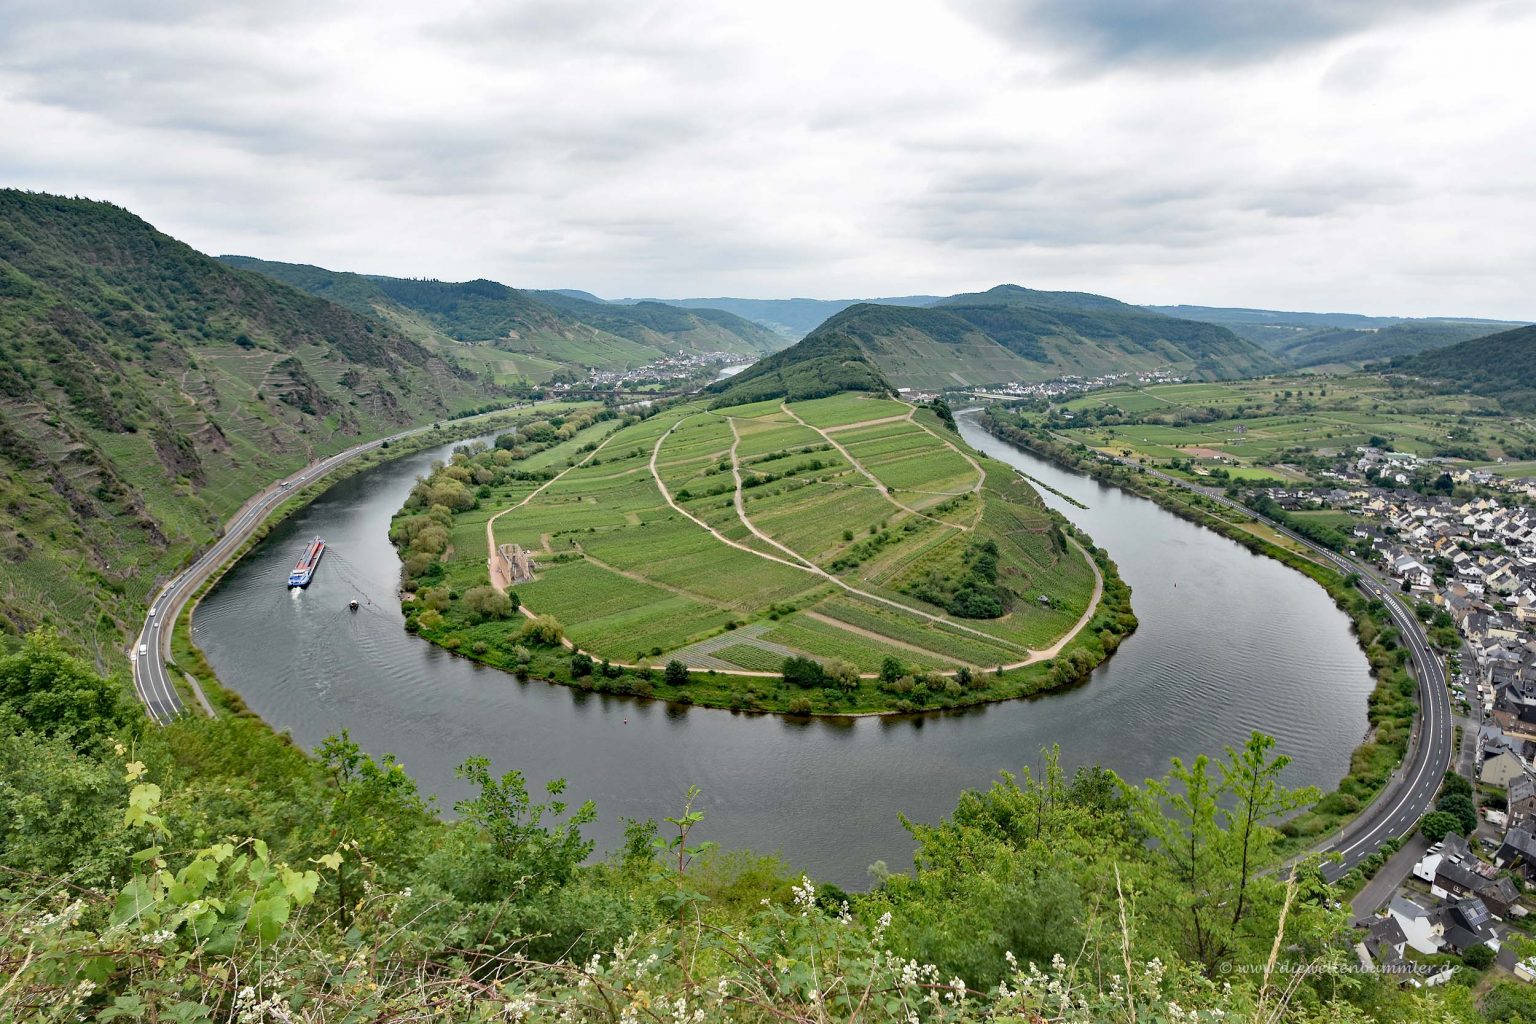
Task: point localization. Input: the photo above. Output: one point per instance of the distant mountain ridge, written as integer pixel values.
(790, 319)
(999, 336)
(555, 330)
(147, 389)
(1499, 366)
(1317, 339)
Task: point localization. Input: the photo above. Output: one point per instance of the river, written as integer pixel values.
(1229, 642)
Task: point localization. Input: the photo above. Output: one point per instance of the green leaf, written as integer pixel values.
(134, 902)
(267, 918)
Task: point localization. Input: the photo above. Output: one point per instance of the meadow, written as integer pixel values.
(1255, 428)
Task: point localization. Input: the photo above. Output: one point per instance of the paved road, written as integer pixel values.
(1411, 790)
(1378, 892)
(153, 679)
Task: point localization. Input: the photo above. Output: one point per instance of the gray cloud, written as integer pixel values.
(1107, 33)
(683, 146)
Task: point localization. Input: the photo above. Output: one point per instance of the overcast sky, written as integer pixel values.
(1373, 156)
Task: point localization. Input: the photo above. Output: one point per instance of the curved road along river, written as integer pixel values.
(1229, 642)
(1412, 788)
(152, 678)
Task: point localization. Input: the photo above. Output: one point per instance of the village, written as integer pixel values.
(1072, 384)
(1467, 564)
(669, 374)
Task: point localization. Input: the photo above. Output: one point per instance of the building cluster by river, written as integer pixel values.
(1069, 385)
(1467, 563)
(670, 374)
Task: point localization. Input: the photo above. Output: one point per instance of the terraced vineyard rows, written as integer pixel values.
(694, 523)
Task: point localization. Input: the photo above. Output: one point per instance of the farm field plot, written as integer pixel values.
(1242, 425)
(640, 549)
(844, 409)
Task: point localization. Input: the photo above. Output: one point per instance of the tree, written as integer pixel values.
(488, 603)
(55, 694)
(844, 673)
(1437, 824)
(676, 673)
(515, 825)
(543, 631)
(803, 672)
(1462, 809)
(891, 669)
(374, 804)
(581, 664)
(1180, 813)
(1479, 958)
(1252, 777)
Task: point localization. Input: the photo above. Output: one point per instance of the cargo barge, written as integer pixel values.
(305, 570)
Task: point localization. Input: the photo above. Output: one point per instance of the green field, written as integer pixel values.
(846, 529)
(1259, 429)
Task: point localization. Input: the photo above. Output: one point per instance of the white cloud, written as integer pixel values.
(1371, 157)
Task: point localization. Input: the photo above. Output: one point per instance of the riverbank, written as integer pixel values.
(1391, 705)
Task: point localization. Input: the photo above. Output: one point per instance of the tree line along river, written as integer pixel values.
(1229, 642)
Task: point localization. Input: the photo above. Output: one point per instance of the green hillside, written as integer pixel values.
(1360, 347)
(666, 327)
(1316, 339)
(790, 319)
(1500, 366)
(146, 390)
(509, 334)
(1007, 334)
(501, 331)
(823, 364)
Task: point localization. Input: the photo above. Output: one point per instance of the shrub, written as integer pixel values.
(1479, 958)
(844, 673)
(800, 706)
(435, 598)
(487, 603)
(803, 672)
(430, 619)
(543, 631)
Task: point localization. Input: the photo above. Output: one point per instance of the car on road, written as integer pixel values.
(151, 613)
(143, 650)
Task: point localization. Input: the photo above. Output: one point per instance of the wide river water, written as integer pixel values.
(1229, 642)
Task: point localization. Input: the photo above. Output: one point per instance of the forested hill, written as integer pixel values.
(790, 319)
(824, 363)
(1017, 334)
(557, 330)
(1317, 339)
(665, 326)
(146, 390)
(1501, 366)
(1356, 348)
